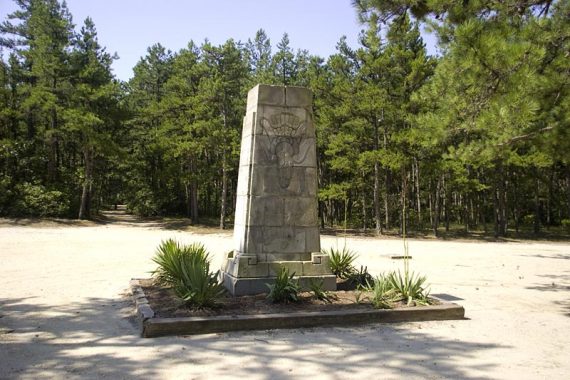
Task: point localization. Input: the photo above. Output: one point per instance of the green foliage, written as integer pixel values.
(186, 269)
(384, 294)
(36, 200)
(361, 277)
(485, 122)
(285, 289)
(341, 261)
(316, 287)
(566, 224)
(409, 286)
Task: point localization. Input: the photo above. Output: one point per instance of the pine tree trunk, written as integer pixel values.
(387, 184)
(376, 194)
(418, 196)
(194, 214)
(446, 203)
(223, 199)
(187, 191)
(568, 190)
(364, 211)
(500, 202)
(437, 202)
(536, 224)
(378, 223)
(85, 206)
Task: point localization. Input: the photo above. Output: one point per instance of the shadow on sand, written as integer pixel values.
(98, 338)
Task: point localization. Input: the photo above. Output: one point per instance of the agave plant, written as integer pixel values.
(285, 288)
(410, 286)
(186, 268)
(383, 292)
(341, 261)
(316, 287)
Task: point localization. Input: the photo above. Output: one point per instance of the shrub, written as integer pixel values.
(285, 289)
(566, 225)
(36, 200)
(187, 270)
(341, 261)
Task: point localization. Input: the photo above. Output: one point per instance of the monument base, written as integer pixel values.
(241, 286)
(244, 274)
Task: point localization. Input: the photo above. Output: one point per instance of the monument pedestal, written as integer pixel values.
(276, 223)
(245, 275)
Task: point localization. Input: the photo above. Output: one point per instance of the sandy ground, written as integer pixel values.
(63, 313)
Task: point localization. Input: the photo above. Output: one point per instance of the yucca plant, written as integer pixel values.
(383, 292)
(361, 278)
(410, 286)
(186, 268)
(341, 261)
(285, 289)
(316, 287)
(170, 257)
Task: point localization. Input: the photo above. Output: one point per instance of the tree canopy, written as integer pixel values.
(477, 137)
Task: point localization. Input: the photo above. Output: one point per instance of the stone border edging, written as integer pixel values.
(152, 326)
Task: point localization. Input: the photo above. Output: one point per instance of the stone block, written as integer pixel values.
(319, 265)
(249, 240)
(313, 239)
(273, 257)
(244, 178)
(311, 183)
(266, 94)
(293, 267)
(283, 240)
(329, 281)
(300, 211)
(298, 96)
(241, 210)
(245, 266)
(266, 211)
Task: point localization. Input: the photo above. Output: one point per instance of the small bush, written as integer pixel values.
(285, 289)
(341, 261)
(187, 270)
(566, 225)
(36, 200)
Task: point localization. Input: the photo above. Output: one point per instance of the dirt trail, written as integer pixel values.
(63, 313)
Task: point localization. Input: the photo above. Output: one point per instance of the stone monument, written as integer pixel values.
(276, 223)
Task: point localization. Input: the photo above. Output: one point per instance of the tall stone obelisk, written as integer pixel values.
(276, 223)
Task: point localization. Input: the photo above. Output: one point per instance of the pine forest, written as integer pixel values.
(476, 138)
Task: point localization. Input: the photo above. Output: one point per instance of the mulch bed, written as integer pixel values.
(166, 304)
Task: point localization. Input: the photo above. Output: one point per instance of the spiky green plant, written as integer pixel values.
(316, 287)
(361, 278)
(170, 257)
(410, 286)
(383, 293)
(285, 289)
(341, 261)
(186, 268)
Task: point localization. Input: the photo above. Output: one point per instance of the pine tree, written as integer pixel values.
(93, 105)
(284, 67)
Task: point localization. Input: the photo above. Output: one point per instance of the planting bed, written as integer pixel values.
(160, 312)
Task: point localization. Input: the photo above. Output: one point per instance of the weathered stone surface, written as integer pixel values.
(276, 218)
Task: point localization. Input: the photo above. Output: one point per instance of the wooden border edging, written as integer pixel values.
(154, 326)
